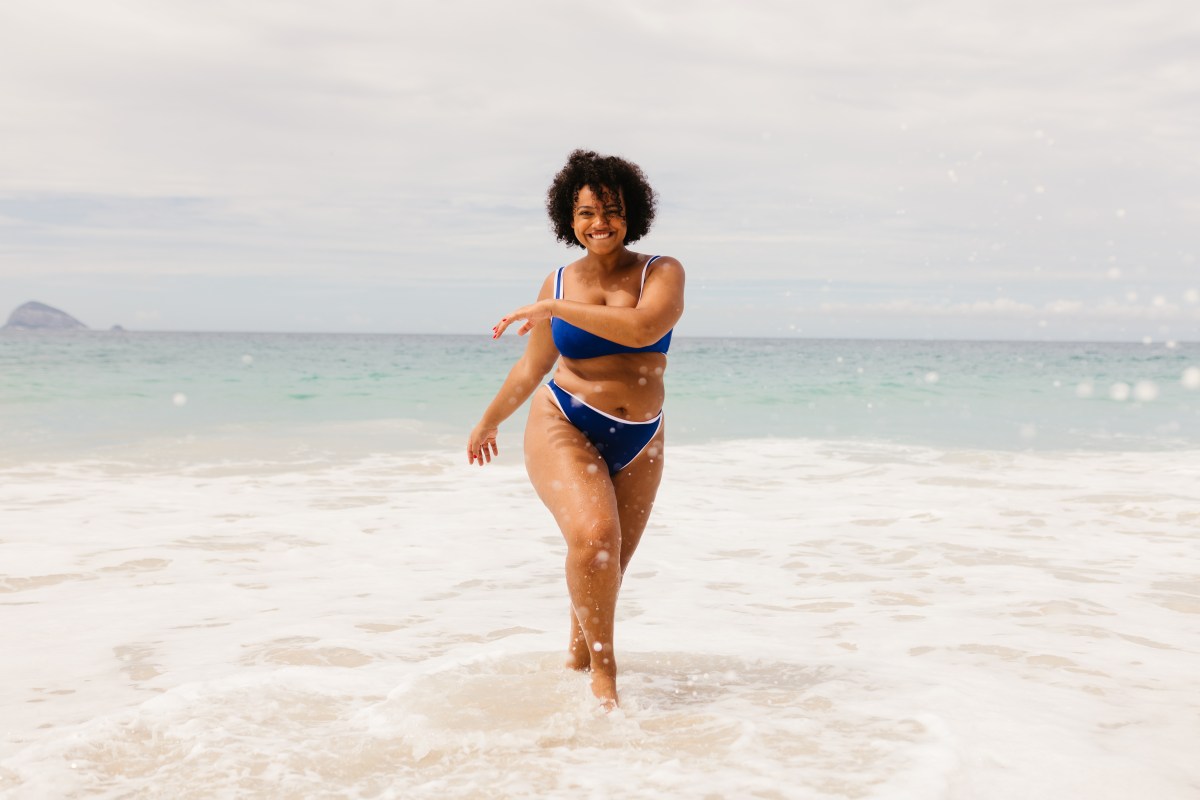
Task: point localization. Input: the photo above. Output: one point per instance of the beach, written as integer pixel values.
(804, 619)
(332, 603)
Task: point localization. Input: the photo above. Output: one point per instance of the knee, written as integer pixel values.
(596, 546)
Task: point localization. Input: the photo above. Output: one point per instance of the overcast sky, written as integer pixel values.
(1005, 169)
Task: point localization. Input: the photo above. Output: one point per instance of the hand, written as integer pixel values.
(482, 444)
(532, 314)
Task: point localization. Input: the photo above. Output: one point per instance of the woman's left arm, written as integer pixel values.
(659, 308)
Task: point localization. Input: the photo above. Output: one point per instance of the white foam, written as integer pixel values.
(803, 618)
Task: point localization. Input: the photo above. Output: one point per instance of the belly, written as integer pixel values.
(626, 385)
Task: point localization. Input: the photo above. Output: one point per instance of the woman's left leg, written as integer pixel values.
(572, 480)
(635, 488)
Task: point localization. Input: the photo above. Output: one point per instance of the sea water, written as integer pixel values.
(259, 566)
(82, 393)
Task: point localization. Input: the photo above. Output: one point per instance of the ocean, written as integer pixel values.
(258, 565)
(93, 393)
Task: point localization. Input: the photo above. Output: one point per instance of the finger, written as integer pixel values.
(526, 328)
(495, 449)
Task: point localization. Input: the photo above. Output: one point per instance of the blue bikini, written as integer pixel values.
(574, 342)
(619, 441)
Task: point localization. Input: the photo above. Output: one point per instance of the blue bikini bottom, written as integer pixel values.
(619, 441)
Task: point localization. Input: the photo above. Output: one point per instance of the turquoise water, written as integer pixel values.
(79, 393)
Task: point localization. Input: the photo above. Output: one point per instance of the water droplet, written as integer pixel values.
(1145, 391)
(931, 377)
(1119, 391)
(598, 646)
(1191, 378)
(247, 359)
(652, 451)
(592, 469)
(641, 381)
(1085, 389)
(602, 556)
(179, 399)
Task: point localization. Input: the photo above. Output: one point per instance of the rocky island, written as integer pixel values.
(34, 316)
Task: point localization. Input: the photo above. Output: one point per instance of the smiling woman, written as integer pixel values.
(594, 439)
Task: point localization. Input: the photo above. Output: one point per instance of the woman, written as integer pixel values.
(594, 438)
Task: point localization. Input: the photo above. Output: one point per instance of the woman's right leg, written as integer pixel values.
(572, 480)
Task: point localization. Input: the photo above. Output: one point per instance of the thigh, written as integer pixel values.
(566, 471)
(636, 487)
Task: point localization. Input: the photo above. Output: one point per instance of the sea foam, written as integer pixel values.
(803, 619)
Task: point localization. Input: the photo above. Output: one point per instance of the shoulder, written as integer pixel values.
(664, 266)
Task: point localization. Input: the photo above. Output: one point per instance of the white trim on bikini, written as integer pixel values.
(575, 397)
(558, 279)
(642, 288)
(657, 421)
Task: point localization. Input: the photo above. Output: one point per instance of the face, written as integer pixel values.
(598, 223)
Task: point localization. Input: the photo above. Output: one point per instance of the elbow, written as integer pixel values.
(533, 371)
(647, 336)
(648, 333)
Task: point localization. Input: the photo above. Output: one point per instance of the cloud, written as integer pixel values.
(302, 139)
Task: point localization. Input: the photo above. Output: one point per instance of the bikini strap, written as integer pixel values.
(558, 284)
(644, 270)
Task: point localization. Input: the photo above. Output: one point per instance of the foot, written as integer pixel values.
(605, 688)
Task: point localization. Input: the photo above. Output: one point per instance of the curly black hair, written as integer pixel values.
(603, 174)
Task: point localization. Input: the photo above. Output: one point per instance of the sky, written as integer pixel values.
(864, 169)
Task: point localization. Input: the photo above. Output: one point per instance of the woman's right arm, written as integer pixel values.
(524, 377)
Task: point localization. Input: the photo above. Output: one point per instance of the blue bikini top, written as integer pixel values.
(575, 342)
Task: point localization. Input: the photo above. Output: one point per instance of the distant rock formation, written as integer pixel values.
(35, 316)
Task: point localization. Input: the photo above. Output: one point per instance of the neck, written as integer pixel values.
(610, 262)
